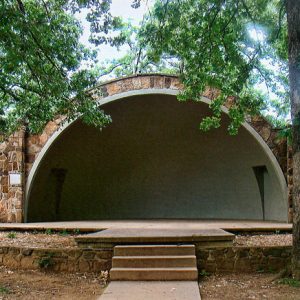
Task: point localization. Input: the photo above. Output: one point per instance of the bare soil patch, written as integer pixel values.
(263, 240)
(58, 240)
(36, 240)
(246, 286)
(28, 285)
(19, 284)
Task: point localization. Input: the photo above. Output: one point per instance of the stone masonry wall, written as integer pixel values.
(19, 145)
(243, 259)
(62, 260)
(12, 161)
(214, 260)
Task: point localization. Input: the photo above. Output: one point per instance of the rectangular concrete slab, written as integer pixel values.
(92, 226)
(146, 235)
(141, 290)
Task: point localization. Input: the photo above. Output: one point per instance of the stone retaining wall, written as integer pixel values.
(243, 259)
(62, 260)
(229, 259)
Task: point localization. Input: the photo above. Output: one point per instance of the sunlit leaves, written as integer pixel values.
(213, 42)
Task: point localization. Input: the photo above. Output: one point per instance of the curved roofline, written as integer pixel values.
(128, 94)
(102, 84)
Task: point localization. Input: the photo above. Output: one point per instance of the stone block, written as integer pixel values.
(4, 250)
(242, 265)
(225, 265)
(210, 267)
(277, 263)
(9, 260)
(104, 254)
(26, 251)
(101, 265)
(83, 265)
(88, 254)
(50, 128)
(202, 254)
(272, 251)
(43, 138)
(242, 253)
(73, 253)
(229, 253)
(113, 88)
(27, 263)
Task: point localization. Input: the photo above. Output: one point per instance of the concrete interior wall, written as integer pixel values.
(154, 162)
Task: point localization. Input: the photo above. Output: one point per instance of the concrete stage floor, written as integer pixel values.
(91, 226)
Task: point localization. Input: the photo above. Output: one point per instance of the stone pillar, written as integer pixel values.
(12, 161)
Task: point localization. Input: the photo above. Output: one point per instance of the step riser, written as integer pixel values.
(152, 251)
(154, 262)
(155, 276)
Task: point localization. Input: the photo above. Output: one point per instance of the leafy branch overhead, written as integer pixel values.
(214, 42)
(43, 64)
(45, 69)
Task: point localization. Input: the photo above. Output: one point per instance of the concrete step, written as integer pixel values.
(155, 274)
(151, 250)
(166, 261)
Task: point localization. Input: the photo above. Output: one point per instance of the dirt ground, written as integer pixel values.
(18, 284)
(246, 286)
(36, 239)
(58, 240)
(37, 285)
(263, 240)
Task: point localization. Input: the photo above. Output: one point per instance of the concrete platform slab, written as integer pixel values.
(153, 235)
(141, 290)
(92, 226)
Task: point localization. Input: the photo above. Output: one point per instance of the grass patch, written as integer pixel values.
(204, 273)
(4, 290)
(270, 270)
(64, 232)
(76, 231)
(48, 231)
(290, 281)
(11, 235)
(46, 261)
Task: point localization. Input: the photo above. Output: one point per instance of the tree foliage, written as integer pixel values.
(227, 44)
(136, 59)
(44, 68)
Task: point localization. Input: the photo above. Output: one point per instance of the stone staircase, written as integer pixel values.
(154, 262)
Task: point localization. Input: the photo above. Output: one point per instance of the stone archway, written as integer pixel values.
(37, 147)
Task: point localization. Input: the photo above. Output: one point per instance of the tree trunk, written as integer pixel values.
(293, 19)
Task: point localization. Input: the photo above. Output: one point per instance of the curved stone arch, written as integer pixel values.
(149, 91)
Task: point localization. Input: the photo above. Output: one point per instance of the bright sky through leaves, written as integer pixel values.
(120, 8)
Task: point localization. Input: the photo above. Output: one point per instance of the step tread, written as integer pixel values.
(155, 246)
(155, 269)
(154, 257)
